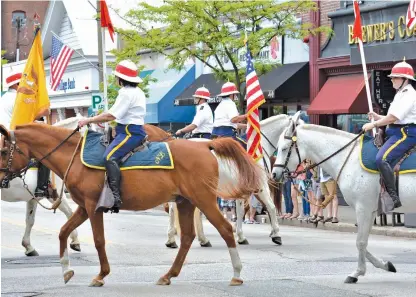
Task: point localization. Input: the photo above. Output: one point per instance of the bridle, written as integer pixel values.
(10, 175)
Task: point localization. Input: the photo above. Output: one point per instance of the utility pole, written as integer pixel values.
(100, 44)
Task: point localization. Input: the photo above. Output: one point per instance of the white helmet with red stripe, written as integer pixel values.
(127, 70)
(403, 70)
(203, 93)
(13, 78)
(227, 89)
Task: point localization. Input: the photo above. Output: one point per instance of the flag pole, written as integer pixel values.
(104, 81)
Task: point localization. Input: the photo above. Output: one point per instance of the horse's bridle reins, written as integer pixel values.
(10, 175)
(286, 170)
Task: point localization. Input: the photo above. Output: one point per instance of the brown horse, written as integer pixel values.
(141, 189)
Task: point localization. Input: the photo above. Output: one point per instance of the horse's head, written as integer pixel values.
(12, 157)
(288, 156)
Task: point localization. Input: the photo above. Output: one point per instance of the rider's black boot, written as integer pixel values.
(114, 177)
(43, 181)
(388, 178)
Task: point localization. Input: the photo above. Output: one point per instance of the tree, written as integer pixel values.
(214, 31)
(3, 61)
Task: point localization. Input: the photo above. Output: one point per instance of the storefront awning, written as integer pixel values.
(208, 81)
(341, 94)
(170, 84)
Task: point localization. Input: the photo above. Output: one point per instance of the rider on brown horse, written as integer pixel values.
(128, 111)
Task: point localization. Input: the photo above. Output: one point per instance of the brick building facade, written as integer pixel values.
(14, 36)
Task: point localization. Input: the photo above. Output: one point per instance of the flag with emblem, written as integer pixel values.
(255, 98)
(411, 15)
(32, 95)
(60, 56)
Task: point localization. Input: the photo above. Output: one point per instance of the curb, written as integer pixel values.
(346, 227)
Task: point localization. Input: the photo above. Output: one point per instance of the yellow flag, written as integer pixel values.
(32, 96)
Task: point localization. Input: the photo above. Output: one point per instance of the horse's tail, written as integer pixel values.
(239, 175)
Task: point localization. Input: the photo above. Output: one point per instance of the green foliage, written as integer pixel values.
(214, 31)
(3, 61)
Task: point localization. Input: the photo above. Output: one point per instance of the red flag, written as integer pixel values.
(105, 19)
(411, 15)
(357, 30)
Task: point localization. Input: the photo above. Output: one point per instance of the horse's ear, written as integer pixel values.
(296, 117)
(4, 131)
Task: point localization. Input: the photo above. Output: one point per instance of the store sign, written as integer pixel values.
(66, 85)
(382, 90)
(385, 31)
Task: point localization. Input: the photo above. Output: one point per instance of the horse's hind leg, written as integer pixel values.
(171, 243)
(186, 214)
(31, 206)
(209, 208)
(199, 229)
(66, 209)
(78, 217)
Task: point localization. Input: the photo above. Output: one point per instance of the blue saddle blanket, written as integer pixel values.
(368, 152)
(156, 155)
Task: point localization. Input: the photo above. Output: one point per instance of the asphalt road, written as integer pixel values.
(309, 263)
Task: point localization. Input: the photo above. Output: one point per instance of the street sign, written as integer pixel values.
(97, 101)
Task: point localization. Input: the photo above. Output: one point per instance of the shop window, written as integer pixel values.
(349, 3)
(352, 123)
(18, 18)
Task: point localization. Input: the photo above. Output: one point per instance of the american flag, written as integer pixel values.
(60, 56)
(411, 15)
(255, 98)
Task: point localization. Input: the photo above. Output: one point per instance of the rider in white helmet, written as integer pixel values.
(202, 124)
(226, 116)
(128, 111)
(7, 103)
(401, 133)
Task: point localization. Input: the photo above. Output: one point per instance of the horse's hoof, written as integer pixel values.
(33, 253)
(236, 281)
(75, 246)
(390, 267)
(245, 241)
(171, 245)
(351, 280)
(277, 240)
(207, 244)
(163, 281)
(68, 275)
(97, 283)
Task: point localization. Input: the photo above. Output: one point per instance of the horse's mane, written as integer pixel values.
(67, 122)
(273, 118)
(326, 130)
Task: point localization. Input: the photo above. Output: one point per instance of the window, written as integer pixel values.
(352, 123)
(349, 3)
(18, 18)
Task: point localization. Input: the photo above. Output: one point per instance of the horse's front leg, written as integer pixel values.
(66, 209)
(80, 216)
(239, 207)
(365, 221)
(265, 197)
(31, 206)
(171, 243)
(97, 225)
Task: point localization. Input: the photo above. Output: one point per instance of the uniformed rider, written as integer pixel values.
(226, 115)
(202, 124)
(401, 132)
(128, 111)
(8, 101)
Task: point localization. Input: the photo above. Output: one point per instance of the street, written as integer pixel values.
(309, 263)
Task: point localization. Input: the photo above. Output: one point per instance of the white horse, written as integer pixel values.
(16, 192)
(360, 188)
(272, 128)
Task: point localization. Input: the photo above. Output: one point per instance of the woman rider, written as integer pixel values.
(128, 111)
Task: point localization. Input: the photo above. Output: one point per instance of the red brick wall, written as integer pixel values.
(327, 6)
(9, 34)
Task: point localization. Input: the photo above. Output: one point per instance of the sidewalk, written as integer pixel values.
(347, 220)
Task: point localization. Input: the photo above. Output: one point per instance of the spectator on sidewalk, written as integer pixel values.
(328, 188)
(255, 208)
(288, 199)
